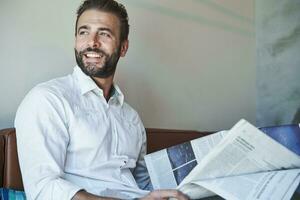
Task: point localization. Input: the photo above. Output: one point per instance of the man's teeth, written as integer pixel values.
(93, 55)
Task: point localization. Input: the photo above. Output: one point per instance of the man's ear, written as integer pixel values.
(124, 48)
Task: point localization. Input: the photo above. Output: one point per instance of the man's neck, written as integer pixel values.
(105, 84)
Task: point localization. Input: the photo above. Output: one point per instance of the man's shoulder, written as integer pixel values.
(44, 97)
(57, 85)
(130, 113)
(58, 88)
(128, 108)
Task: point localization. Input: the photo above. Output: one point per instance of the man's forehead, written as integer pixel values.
(99, 17)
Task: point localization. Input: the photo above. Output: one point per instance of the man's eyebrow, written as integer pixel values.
(83, 27)
(99, 29)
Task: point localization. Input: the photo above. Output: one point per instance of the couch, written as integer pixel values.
(10, 175)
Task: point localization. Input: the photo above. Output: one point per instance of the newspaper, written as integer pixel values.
(242, 163)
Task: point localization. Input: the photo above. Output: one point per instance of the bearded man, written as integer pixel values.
(77, 138)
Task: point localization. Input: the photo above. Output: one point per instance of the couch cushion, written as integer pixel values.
(9, 194)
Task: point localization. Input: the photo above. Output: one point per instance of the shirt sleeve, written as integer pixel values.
(42, 140)
(140, 172)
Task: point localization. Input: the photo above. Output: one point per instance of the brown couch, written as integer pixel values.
(10, 175)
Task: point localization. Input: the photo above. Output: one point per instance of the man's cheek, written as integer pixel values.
(80, 46)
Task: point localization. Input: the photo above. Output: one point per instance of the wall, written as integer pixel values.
(36, 45)
(278, 62)
(190, 65)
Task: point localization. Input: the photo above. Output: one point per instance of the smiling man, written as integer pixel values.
(77, 138)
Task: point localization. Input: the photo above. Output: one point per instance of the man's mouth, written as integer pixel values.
(93, 55)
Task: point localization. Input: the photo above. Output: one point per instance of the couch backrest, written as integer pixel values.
(158, 139)
(10, 176)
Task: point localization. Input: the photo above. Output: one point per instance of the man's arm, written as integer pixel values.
(83, 195)
(42, 140)
(140, 172)
(165, 194)
(154, 195)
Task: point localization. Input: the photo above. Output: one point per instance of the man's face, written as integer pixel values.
(97, 45)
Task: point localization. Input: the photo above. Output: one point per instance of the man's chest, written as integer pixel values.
(99, 131)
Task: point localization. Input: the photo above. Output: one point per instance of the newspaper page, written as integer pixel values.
(244, 150)
(168, 167)
(275, 185)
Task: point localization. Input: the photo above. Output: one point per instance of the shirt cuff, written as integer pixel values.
(67, 189)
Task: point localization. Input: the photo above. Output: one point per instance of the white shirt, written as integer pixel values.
(70, 138)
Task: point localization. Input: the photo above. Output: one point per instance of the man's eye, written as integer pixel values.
(83, 32)
(104, 34)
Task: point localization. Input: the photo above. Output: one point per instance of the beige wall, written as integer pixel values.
(190, 65)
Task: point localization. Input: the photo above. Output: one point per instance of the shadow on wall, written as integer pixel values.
(296, 119)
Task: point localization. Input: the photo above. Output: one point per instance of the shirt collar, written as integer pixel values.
(118, 94)
(86, 84)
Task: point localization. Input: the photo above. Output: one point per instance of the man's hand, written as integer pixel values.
(165, 194)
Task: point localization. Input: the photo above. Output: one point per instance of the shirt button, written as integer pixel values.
(125, 162)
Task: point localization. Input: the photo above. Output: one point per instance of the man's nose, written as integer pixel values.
(94, 41)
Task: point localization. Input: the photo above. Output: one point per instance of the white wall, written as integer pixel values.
(190, 65)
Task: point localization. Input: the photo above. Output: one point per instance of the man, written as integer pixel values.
(77, 138)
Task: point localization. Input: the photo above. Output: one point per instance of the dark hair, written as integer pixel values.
(110, 6)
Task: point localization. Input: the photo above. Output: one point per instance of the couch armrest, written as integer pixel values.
(10, 169)
(2, 158)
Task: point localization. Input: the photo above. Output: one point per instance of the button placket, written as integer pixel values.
(113, 130)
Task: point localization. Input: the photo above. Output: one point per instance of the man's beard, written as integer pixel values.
(90, 69)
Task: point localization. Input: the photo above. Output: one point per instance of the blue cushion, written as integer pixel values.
(8, 194)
